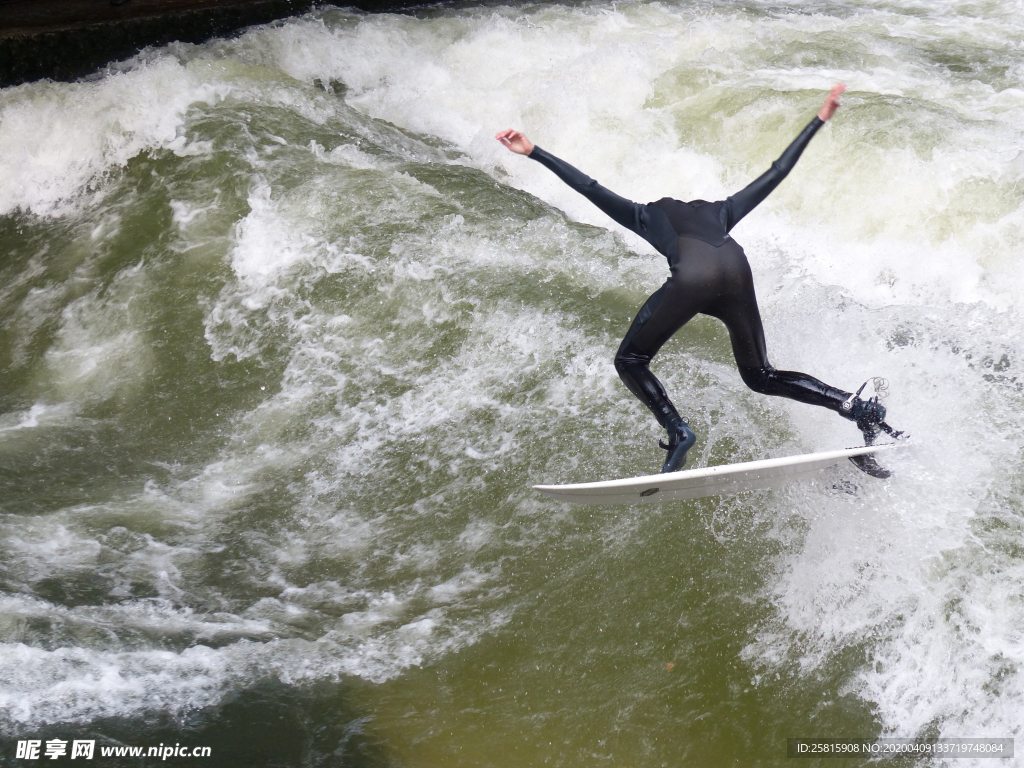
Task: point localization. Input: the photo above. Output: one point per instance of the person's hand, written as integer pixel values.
(831, 102)
(515, 141)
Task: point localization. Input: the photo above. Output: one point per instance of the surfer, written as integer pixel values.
(709, 274)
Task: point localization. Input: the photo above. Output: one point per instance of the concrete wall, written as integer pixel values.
(67, 39)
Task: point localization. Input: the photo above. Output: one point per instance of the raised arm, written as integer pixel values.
(630, 215)
(748, 198)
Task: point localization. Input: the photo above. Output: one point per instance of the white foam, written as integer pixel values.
(29, 419)
(100, 351)
(58, 138)
(890, 208)
(893, 249)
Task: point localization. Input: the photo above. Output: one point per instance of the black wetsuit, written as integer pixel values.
(709, 274)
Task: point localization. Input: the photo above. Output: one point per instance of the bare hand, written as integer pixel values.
(515, 141)
(831, 102)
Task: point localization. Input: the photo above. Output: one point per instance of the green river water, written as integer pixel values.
(286, 337)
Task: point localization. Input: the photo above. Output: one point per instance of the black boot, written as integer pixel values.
(866, 463)
(869, 415)
(680, 440)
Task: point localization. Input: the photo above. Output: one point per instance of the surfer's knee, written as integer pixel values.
(758, 378)
(628, 362)
(622, 366)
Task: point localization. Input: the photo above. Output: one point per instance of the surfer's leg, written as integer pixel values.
(665, 312)
(743, 320)
(748, 345)
(794, 386)
(737, 308)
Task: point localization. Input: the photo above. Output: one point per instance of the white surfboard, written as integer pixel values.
(710, 481)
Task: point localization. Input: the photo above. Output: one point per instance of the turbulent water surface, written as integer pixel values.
(285, 337)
